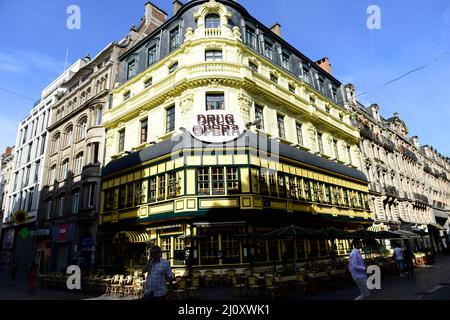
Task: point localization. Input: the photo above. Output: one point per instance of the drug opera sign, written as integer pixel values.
(216, 126)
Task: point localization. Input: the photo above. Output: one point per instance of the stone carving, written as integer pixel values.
(186, 103)
(245, 103)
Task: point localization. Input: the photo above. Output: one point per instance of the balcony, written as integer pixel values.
(427, 169)
(388, 144)
(391, 191)
(96, 132)
(409, 154)
(420, 198)
(214, 32)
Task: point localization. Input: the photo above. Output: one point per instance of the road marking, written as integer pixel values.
(436, 288)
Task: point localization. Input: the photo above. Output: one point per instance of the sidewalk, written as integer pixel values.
(422, 285)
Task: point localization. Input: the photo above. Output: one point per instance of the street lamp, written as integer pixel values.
(253, 123)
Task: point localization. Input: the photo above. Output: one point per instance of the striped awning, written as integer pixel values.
(377, 228)
(134, 236)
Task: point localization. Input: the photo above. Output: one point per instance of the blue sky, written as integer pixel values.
(35, 39)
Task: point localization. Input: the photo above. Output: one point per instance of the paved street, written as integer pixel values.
(428, 283)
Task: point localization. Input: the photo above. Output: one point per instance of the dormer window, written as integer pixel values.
(285, 61)
(132, 67)
(174, 39)
(268, 50)
(212, 21)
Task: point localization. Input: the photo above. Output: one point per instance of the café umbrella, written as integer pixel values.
(293, 233)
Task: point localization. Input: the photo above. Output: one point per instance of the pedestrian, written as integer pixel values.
(358, 270)
(408, 255)
(32, 278)
(14, 269)
(399, 259)
(158, 274)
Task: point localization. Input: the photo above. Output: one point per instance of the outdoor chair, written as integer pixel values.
(209, 278)
(195, 285)
(230, 273)
(116, 287)
(128, 286)
(180, 291)
(238, 287)
(138, 287)
(253, 287)
(271, 289)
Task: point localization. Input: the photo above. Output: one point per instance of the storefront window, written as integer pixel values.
(346, 197)
(138, 196)
(230, 249)
(260, 251)
(109, 200)
(281, 186)
(179, 251)
(301, 248)
(232, 181)
(209, 249)
(218, 181)
(328, 194)
(172, 187)
(165, 248)
(307, 189)
(272, 184)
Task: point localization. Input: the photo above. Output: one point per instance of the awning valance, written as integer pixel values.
(134, 236)
(437, 226)
(377, 228)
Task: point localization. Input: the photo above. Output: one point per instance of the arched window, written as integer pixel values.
(65, 169)
(78, 163)
(68, 139)
(212, 21)
(82, 128)
(56, 141)
(52, 175)
(98, 116)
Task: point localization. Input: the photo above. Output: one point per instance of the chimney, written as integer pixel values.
(276, 28)
(154, 15)
(324, 63)
(177, 5)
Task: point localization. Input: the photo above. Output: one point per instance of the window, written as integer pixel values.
(173, 67)
(148, 82)
(56, 141)
(280, 123)
(263, 181)
(24, 137)
(79, 163)
(281, 185)
(162, 187)
(48, 208)
(306, 75)
(327, 109)
(131, 69)
(253, 66)
(126, 95)
(213, 55)
(30, 200)
(69, 136)
(268, 50)
(122, 196)
(328, 197)
(334, 93)
(293, 188)
(341, 117)
(232, 181)
(121, 146)
(152, 189)
(299, 133)
(130, 194)
(172, 186)
(209, 248)
(65, 170)
(76, 202)
(151, 55)
(291, 88)
(250, 37)
(230, 248)
(272, 184)
(215, 101)
(60, 206)
(144, 130)
(138, 193)
(95, 148)
(321, 84)
(320, 142)
(43, 143)
(218, 181)
(203, 181)
(259, 114)
(82, 128)
(212, 21)
(336, 149)
(174, 39)
(36, 170)
(170, 119)
(285, 61)
(274, 78)
(30, 146)
(98, 116)
(52, 174)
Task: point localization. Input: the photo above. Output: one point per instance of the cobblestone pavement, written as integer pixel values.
(428, 283)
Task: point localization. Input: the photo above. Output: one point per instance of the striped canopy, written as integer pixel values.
(133, 236)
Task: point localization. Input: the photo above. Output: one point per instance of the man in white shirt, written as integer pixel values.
(399, 260)
(358, 270)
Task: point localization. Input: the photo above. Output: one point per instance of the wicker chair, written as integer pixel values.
(271, 289)
(195, 285)
(116, 287)
(180, 291)
(253, 287)
(128, 286)
(209, 278)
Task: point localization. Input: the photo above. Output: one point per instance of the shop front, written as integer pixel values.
(207, 205)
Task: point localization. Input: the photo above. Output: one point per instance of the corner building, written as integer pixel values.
(207, 204)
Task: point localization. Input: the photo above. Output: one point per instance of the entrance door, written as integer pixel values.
(62, 252)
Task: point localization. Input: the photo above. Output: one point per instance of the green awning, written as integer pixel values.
(437, 226)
